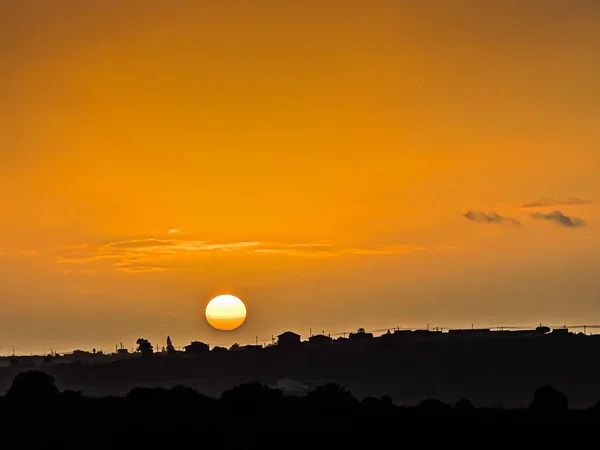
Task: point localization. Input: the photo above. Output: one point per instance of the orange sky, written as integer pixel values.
(315, 157)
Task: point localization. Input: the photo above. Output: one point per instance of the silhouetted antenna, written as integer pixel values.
(256, 340)
(310, 332)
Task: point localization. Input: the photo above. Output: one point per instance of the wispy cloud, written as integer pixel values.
(554, 202)
(481, 217)
(174, 231)
(296, 252)
(391, 250)
(140, 255)
(158, 255)
(560, 219)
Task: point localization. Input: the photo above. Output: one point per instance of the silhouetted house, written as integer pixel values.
(403, 333)
(361, 334)
(196, 347)
(320, 340)
(218, 349)
(288, 338)
(470, 331)
(517, 333)
(122, 350)
(560, 331)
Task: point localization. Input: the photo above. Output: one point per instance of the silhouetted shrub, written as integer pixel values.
(331, 398)
(377, 406)
(71, 396)
(250, 396)
(433, 406)
(464, 405)
(547, 399)
(32, 386)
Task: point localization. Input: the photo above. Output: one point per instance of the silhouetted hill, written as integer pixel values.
(409, 367)
(249, 414)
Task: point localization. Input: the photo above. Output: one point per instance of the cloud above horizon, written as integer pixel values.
(559, 218)
(492, 217)
(554, 202)
(154, 255)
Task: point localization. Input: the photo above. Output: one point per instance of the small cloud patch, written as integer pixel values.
(560, 219)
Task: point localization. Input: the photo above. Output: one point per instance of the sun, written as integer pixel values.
(225, 312)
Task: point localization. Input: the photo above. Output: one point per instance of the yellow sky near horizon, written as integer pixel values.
(315, 157)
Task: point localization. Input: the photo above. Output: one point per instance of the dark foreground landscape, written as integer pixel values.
(490, 368)
(416, 389)
(252, 415)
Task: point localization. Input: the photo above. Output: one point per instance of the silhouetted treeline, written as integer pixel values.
(144, 414)
(407, 366)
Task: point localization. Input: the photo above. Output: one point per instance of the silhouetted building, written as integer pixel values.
(320, 340)
(470, 331)
(196, 347)
(288, 338)
(361, 334)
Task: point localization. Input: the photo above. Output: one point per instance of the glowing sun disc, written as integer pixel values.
(225, 312)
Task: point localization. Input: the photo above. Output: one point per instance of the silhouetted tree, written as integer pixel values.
(170, 348)
(32, 386)
(144, 347)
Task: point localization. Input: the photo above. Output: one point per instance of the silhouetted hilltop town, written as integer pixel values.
(290, 341)
(407, 364)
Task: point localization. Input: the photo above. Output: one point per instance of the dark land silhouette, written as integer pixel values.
(252, 415)
(491, 368)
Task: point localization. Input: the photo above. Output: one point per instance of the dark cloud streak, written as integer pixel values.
(481, 217)
(565, 202)
(559, 218)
